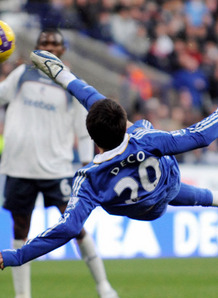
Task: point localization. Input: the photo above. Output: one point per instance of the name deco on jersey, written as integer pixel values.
(138, 157)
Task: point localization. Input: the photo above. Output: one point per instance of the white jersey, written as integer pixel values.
(42, 120)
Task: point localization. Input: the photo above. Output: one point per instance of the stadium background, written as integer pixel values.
(182, 232)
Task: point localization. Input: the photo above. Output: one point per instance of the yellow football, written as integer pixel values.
(7, 41)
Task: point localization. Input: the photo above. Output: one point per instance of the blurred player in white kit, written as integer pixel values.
(42, 121)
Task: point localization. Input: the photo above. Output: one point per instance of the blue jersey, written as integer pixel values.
(137, 179)
(131, 179)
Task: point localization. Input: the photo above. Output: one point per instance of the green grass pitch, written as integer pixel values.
(134, 278)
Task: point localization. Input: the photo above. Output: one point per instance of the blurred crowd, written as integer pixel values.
(176, 37)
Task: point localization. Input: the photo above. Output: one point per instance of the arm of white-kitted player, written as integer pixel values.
(9, 86)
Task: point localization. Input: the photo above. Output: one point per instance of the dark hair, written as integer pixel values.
(106, 123)
(52, 31)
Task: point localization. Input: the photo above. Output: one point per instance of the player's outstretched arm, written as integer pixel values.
(63, 231)
(57, 71)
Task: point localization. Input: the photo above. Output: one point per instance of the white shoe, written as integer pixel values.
(106, 291)
(50, 64)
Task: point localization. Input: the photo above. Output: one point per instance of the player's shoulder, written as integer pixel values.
(85, 170)
(82, 176)
(19, 70)
(140, 124)
(14, 76)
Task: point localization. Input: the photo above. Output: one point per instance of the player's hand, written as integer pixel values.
(1, 262)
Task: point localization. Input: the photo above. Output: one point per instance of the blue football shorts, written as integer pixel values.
(20, 194)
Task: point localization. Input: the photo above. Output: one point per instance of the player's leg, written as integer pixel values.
(20, 198)
(95, 265)
(57, 71)
(194, 196)
(21, 275)
(57, 193)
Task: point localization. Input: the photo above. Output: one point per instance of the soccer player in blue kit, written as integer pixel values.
(134, 175)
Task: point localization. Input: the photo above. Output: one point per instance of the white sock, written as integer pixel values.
(21, 276)
(215, 198)
(93, 261)
(64, 78)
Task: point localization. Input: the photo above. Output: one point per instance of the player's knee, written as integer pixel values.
(21, 226)
(20, 232)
